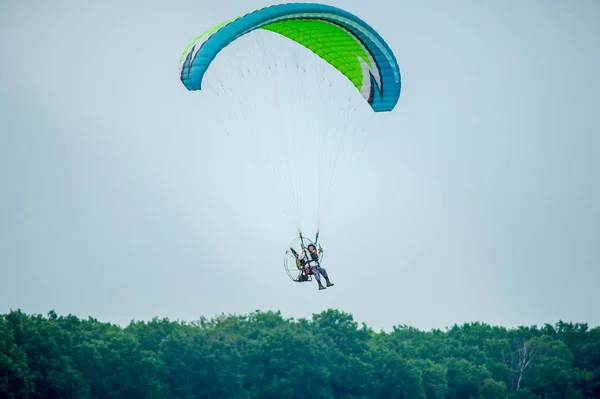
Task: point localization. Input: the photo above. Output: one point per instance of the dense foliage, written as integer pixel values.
(263, 355)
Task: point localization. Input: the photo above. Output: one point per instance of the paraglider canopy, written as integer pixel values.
(297, 84)
(342, 39)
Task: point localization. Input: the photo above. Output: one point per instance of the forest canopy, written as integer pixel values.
(264, 355)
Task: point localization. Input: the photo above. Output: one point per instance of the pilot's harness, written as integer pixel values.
(311, 258)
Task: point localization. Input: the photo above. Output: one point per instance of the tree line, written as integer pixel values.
(264, 355)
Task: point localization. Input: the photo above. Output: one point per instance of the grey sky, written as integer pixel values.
(478, 197)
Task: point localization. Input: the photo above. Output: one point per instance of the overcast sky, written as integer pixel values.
(478, 198)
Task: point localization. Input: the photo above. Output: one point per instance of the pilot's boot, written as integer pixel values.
(329, 283)
(320, 285)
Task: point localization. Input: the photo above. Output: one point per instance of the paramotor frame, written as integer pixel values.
(292, 265)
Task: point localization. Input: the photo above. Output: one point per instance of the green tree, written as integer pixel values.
(16, 380)
(263, 355)
(492, 389)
